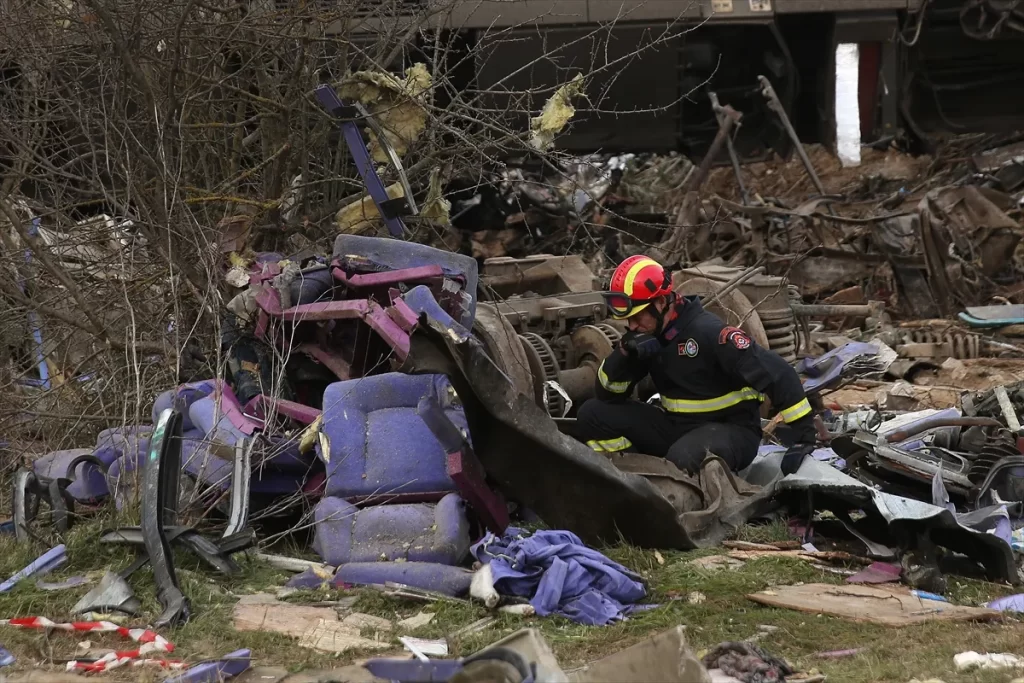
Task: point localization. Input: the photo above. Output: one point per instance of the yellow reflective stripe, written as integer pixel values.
(627, 285)
(709, 405)
(610, 445)
(796, 411)
(614, 387)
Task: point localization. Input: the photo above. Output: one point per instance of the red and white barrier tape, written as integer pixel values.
(149, 643)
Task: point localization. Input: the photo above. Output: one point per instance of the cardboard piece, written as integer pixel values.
(665, 658)
(887, 606)
(317, 628)
(878, 572)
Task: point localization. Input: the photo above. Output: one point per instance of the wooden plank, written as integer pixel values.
(814, 556)
(869, 604)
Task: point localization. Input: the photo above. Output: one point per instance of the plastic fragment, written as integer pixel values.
(228, 666)
(47, 562)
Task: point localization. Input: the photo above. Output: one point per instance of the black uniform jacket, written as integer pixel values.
(710, 372)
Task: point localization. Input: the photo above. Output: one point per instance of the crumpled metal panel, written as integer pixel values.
(902, 514)
(564, 482)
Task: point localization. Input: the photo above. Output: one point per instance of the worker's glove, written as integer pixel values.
(641, 345)
(795, 456)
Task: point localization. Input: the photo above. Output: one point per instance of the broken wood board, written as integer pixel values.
(317, 628)
(747, 545)
(810, 555)
(869, 604)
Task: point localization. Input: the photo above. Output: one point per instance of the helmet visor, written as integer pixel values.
(621, 307)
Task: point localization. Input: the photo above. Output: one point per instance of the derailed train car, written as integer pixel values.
(925, 66)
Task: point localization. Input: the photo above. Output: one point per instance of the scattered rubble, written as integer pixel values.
(411, 407)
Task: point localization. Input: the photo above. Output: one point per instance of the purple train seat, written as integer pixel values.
(441, 578)
(413, 532)
(89, 482)
(219, 416)
(379, 447)
(118, 445)
(181, 398)
(283, 471)
(360, 254)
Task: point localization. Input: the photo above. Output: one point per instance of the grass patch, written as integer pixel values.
(923, 652)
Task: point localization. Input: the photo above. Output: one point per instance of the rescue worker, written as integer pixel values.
(711, 378)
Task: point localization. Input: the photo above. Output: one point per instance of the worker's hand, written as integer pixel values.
(795, 456)
(641, 345)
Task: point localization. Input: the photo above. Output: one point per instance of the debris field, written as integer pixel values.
(384, 472)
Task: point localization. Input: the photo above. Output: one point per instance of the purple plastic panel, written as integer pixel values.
(468, 475)
(215, 472)
(453, 581)
(327, 310)
(416, 532)
(378, 319)
(182, 398)
(284, 456)
(399, 311)
(270, 301)
(462, 464)
(112, 446)
(216, 671)
(89, 483)
(330, 101)
(373, 254)
(223, 423)
(827, 368)
(264, 270)
(259, 404)
(379, 446)
(420, 300)
(329, 359)
(388, 277)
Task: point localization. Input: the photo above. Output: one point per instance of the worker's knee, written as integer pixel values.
(734, 444)
(687, 454)
(593, 413)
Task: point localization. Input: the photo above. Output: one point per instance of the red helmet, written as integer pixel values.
(637, 282)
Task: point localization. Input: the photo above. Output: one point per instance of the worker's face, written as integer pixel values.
(645, 321)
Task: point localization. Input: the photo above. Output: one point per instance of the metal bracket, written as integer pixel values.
(241, 472)
(463, 466)
(160, 492)
(390, 209)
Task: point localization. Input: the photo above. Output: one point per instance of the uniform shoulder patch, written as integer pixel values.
(690, 348)
(734, 336)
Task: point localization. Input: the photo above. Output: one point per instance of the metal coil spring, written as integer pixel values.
(963, 345)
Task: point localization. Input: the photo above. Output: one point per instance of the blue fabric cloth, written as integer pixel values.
(560, 575)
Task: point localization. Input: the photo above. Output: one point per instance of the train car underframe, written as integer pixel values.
(925, 83)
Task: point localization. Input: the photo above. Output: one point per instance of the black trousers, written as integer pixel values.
(653, 431)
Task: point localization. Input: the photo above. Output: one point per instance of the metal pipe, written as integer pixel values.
(730, 117)
(835, 309)
(776, 106)
(578, 383)
(720, 114)
(935, 422)
(1009, 414)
